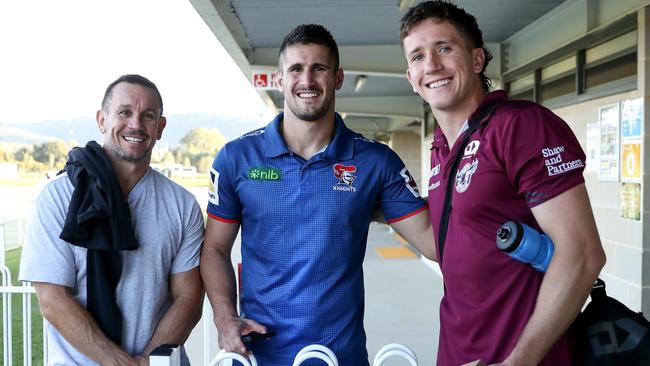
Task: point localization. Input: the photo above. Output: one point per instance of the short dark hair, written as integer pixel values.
(131, 79)
(465, 24)
(311, 33)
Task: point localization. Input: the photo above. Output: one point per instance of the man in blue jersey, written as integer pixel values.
(303, 189)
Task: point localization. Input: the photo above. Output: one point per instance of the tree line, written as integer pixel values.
(197, 148)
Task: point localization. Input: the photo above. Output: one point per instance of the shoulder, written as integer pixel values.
(365, 144)
(56, 190)
(155, 178)
(522, 109)
(247, 139)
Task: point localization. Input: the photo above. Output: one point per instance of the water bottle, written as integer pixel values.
(525, 244)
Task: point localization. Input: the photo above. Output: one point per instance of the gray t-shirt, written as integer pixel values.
(168, 225)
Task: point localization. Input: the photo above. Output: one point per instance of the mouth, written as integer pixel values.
(134, 139)
(307, 94)
(437, 84)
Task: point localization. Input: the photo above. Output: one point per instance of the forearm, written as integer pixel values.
(417, 230)
(179, 320)
(78, 327)
(564, 289)
(219, 278)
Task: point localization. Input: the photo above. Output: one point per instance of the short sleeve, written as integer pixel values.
(223, 203)
(399, 196)
(46, 257)
(543, 158)
(188, 255)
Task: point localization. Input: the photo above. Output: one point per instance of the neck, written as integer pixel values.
(451, 121)
(307, 138)
(128, 173)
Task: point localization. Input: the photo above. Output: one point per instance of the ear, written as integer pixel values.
(161, 126)
(479, 59)
(339, 78)
(101, 121)
(408, 77)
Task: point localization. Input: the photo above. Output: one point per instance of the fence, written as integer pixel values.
(12, 235)
(26, 292)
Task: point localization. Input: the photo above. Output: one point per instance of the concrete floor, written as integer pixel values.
(402, 297)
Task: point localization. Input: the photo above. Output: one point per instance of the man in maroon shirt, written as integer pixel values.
(524, 164)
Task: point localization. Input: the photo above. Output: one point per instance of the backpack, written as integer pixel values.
(610, 334)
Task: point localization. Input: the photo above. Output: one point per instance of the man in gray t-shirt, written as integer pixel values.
(159, 294)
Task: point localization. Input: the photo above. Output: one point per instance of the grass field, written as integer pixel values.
(12, 260)
(201, 180)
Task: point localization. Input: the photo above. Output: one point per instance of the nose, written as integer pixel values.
(136, 121)
(432, 64)
(308, 77)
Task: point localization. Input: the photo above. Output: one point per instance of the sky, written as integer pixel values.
(57, 57)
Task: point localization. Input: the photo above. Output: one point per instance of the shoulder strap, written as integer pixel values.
(474, 124)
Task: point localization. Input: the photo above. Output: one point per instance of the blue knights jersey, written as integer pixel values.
(304, 227)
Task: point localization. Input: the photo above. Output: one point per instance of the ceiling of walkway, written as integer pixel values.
(367, 34)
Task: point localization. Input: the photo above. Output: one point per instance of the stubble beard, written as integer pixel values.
(310, 113)
(122, 155)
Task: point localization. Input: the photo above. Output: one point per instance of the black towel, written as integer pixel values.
(99, 219)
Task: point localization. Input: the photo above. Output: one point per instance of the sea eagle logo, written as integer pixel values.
(464, 176)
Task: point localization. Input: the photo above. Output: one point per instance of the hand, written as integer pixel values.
(230, 334)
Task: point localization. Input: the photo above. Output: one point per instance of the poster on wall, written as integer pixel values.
(632, 118)
(631, 201)
(631, 161)
(593, 147)
(609, 141)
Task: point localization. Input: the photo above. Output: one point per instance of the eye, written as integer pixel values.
(124, 112)
(417, 57)
(444, 49)
(149, 115)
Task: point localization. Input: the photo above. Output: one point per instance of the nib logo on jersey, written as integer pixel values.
(344, 174)
(264, 174)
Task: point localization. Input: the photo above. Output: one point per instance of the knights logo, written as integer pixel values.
(410, 182)
(464, 176)
(344, 173)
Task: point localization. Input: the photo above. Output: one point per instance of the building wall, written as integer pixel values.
(622, 238)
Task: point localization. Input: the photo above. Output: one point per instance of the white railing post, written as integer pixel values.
(207, 324)
(27, 326)
(6, 315)
(3, 247)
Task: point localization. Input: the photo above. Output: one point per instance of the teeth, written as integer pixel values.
(307, 95)
(133, 139)
(438, 84)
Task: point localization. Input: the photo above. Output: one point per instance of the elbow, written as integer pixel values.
(599, 260)
(594, 262)
(47, 309)
(49, 300)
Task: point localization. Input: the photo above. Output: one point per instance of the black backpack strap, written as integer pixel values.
(598, 291)
(474, 125)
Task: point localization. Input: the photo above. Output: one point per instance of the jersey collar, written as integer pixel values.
(439, 139)
(341, 147)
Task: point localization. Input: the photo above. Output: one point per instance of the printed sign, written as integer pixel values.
(609, 142)
(265, 80)
(631, 118)
(631, 161)
(631, 201)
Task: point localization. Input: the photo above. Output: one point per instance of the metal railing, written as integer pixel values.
(26, 291)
